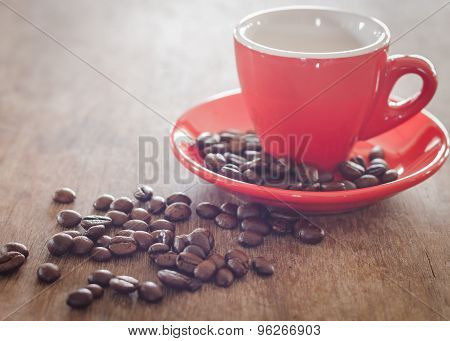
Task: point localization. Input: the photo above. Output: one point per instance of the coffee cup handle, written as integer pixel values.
(387, 114)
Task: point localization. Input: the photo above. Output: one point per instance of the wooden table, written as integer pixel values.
(70, 115)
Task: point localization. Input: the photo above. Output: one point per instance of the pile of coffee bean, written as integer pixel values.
(239, 156)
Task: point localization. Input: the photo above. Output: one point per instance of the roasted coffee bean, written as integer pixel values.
(376, 152)
(125, 233)
(117, 218)
(205, 270)
(95, 289)
(252, 154)
(312, 187)
(162, 224)
(359, 159)
(143, 239)
(101, 254)
(10, 261)
(93, 220)
(187, 262)
(256, 225)
(214, 162)
(277, 183)
(366, 181)
(150, 292)
(174, 279)
(218, 148)
(48, 272)
(140, 214)
(236, 253)
(73, 233)
(285, 213)
(281, 227)
(251, 210)
(196, 250)
(376, 169)
(238, 268)
(81, 245)
(68, 218)
(226, 221)
(202, 238)
(306, 174)
(166, 260)
(207, 210)
(218, 260)
(250, 239)
(252, 177)
(348, 185)
(379, 161)
(136, 225)
(64, 195)
(124, 284)
(122, 246)
(206, 139)
(389, 176)
(224, 277)
(180, 242)
(178, 197)
(332, 186)
(308, 232)
(235, 159)
(351, 170)
(100, 277)
(325, 177)
(103, 241)
(231, 172)
(262, 266)
(177, 211)
(95, 232)
(103, 202)
(227, 136)
(163, 236)
(59, 244)
(156, 205)
(205, 231)
(14, 246)
(122, 204)
(143, 193)
(156, 249)
(229, 208)
(80, 298)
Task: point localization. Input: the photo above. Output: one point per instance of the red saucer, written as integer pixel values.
(417, 149)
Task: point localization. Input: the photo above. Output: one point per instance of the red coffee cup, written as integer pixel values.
(317, 80)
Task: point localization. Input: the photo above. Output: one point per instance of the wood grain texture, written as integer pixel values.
(63, 124)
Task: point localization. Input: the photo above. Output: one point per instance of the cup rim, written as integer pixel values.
(382, 42)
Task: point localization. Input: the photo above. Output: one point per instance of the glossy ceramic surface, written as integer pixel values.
(417, 149)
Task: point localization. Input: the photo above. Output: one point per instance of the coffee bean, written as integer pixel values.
(103, 202)
(359, 159)
(103, 241)
(252, 177)
(180, 242)
(326, 177)
(166, 260)
(306, 174)
(332, 186)
(143, 240)
(122, 246)
(214, 161)
(238, 268)
(100, 277)
(312, 187)
(226, 221)
(93, 220)
(122, 204)
(95, 232)
(376, 152)
(10, 261)
(196, 250)
(80, 298)
(348, 185)
(308, 233)
(156, 249)
(68, 218)
(351, 170)
(64, 195)
(186, 262)
(277, 183)
(252, 154)
(281, 227)
(156, 205)
(250, 239)
(73, 233)
(59, 244)
(251, 210)
(101, 254)
(81, 245)
(231, 172)
(262, 266)
(163, 236)
(389, 176)
(124, 284)
(162, 224)
(125, 233)
(136, 225)
(379, 161)
(207, 210)
(206, 139)
(178, 197)
(285, 213)
(177, 211)
(229, 208)
(14, 246)
(218, 260)
(256, 225)
(224, 277)
(140, 214)
(205, 270)
(202, 238)
(366, 181)
(117, 218)
(239, 254)
(150, 292)
(96, 290)
(143, 193)
(235, 159)
(376, 169)
(48, 272)
(174, 279)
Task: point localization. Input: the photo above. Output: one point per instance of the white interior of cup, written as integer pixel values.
(311, 32)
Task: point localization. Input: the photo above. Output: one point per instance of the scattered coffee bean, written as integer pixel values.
(389, 176)
(64, 195)
(180, 242)
(377, 152)
(281, 227)
(81, 245)
(166, 260)
(207, 210)
(143, 193)
(224, 277)
(103, 241)
(178, 197)
(174, 279)
(196, 250)
(332, 186)
(251, 210)
(250, 239)
(68, 218)
(10, 261)
(122, 246)
(186, 262)
(140, 214)
(218, 260)
(59, 244)
(14, 246)
(117, 218)
(143, 240)
(202, 238)
(96, 290)
(308, 232)
(239, 254)
(256, 225)
(101, 254)
(93, 220)
(163, 236)
(136, 225)
(156, 249)
(205, 270)
(262, 266)
(80, 298)
(103, 202)
(238, 268)
(226, 221)
(156, 205)
(351, 170)
(48, 272)
(150, 292)
(100, 277)
(366, 181)
(177, 211)
(229, 208)
(95, 232)
(122, 204)
(124, 284)
(161, 224)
